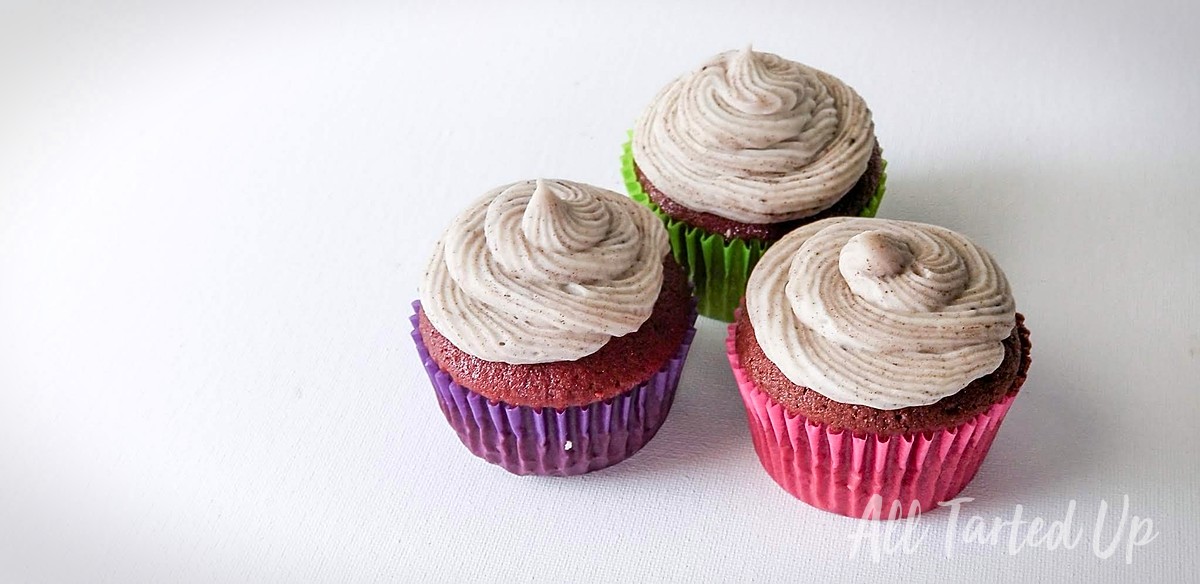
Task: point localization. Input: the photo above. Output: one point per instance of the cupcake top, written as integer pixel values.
(881, 313)
(542, 271)
(755, 138)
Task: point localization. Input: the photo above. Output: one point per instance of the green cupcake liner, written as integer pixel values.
(719, 267)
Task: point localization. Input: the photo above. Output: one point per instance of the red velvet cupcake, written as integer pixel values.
(742, 150)
(876, 360)
(554, 327)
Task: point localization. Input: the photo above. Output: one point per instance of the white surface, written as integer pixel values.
(212, 221)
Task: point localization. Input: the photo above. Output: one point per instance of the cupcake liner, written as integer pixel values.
(551, 442)
(865, 476)
(718, 266)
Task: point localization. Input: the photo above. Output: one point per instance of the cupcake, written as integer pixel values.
(876, 360)
(741, 151)
(554, 325)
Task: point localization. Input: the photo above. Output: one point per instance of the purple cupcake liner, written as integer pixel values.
(550, 442)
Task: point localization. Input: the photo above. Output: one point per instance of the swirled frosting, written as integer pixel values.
(543, 271)
(755, 138)
(880, 313)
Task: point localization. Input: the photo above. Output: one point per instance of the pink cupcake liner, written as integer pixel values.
(864, 476)
(550, 442)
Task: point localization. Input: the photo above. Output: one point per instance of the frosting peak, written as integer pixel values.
(543, 271)
(912, 313)
(874, 254)
(755, 138)
(751, 89)
(560, 222)
(879, 268)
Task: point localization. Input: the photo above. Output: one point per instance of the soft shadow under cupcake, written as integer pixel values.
(1047, 448)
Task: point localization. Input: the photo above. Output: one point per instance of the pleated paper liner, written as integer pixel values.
(865, 476)
(551, 442)
(718, 266)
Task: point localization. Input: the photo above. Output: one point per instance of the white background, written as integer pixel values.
(212, 222)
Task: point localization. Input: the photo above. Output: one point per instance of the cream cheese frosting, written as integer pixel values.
(880, 313)
(755, 138)
(544, 270)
